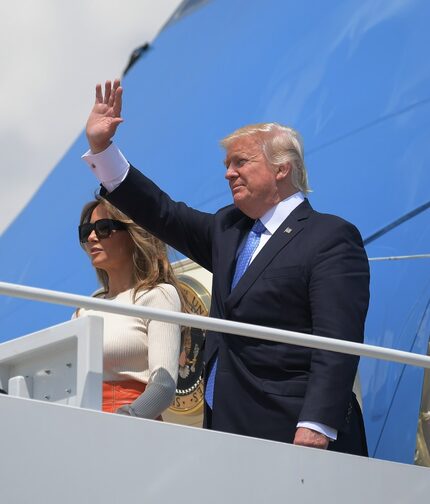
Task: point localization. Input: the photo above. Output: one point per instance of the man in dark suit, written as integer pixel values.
(275, 262)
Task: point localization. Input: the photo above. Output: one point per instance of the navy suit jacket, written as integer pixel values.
(312, 278)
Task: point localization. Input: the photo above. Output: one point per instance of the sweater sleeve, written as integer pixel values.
(163, 354)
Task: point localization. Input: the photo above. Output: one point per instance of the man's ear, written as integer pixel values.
(283, 171)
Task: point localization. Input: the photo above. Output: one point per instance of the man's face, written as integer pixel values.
(251, 178)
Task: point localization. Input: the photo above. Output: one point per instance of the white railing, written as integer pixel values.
(400, 258)
(61, 364)
(213, 324)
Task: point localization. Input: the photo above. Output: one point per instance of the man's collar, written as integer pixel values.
(274, 217)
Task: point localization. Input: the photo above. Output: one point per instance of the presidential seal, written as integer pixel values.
(189, 392)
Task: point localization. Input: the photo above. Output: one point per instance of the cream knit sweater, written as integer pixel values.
(143, 350)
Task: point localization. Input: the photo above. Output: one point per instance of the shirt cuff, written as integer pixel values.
(109, 166)
(321, 428)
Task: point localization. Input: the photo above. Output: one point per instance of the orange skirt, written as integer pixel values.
(119, 393)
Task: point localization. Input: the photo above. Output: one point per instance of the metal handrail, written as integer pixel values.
(225, 326)
(400, 258)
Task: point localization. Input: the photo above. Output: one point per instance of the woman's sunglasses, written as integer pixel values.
(103, 229)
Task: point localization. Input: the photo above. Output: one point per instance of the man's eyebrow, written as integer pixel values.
(236, 154)
(239, 154)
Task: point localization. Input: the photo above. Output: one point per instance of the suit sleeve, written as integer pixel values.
(339, 297)
(187, 230)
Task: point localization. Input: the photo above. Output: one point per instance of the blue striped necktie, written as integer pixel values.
(242, 263)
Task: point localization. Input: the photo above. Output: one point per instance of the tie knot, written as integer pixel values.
(258, 227)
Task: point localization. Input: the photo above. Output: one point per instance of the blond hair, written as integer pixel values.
(150, 263)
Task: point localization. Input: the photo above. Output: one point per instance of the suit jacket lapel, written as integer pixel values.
(291, 226)
(232, 238)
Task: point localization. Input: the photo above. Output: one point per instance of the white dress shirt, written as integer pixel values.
(111, 168)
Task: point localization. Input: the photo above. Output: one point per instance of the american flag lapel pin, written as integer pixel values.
(287, 230)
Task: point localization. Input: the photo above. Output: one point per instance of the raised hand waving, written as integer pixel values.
(105, 116)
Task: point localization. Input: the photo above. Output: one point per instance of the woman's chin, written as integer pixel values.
(98, 262)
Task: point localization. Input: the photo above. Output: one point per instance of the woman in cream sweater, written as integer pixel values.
(140, 356)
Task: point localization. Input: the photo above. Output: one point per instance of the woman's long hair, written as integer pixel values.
(150, 263)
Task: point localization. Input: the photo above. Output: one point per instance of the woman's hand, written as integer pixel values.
(125, 410)
(105, 116)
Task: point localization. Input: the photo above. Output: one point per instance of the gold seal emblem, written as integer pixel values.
(189, 391)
